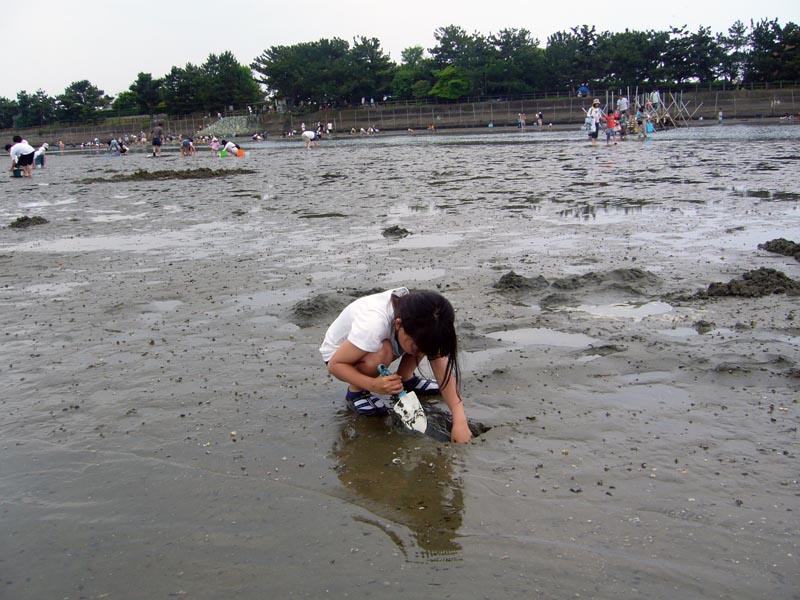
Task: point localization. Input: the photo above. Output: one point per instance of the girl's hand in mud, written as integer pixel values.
(460, 433)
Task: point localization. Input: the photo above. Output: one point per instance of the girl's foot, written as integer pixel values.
(421, 386)
(365, 403)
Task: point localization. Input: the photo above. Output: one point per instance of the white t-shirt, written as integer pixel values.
(20, 149)
(309, 135)
(365, 323)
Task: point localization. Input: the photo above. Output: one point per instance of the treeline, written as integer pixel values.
(511, 62)
(333, 72)
(221, 81)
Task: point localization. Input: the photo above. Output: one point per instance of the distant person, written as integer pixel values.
(622, 127)
(158, 138)
(113, 147)
(214, 145)
(593, 116)
(60, 146)
(21, 156)
(310, 136)
(719, 118)
(641, 122)
(622, 105)
(39, 156)
(539, 118)
(229, 147)
(187, 147)
(611, 128)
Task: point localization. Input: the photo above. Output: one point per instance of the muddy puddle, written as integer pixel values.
(168, 425)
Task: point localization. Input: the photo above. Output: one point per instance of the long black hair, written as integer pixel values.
(429, 318)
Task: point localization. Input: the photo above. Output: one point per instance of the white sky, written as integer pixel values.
(109, 42)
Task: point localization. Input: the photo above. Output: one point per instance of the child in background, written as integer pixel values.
(40, 155)
(230, 148)
(611, 128)
(380, 328)
(622, 127)
(641, 122)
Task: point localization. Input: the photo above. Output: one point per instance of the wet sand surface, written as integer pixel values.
(168, 428)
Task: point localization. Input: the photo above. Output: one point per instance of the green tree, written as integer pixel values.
(560, 52)
(371, 69)
(470, 53)
(516, 63)
(80, 103)
(325, 71)
(789, 54)
(126, 103)
(734, 47)
(309, 72)
(571, 58)
(451, 84)
(35, 109)
(413, 78)
(8, 109)
(181, 90)
(421, 89)
(773, 52)
(705, 56)
(225, 82)
(147, 93)
(630, 57)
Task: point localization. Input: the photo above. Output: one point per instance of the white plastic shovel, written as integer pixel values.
(408, 407)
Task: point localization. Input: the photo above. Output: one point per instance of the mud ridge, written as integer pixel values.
(144, 175)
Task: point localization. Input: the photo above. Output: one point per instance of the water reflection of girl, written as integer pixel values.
(402, 480)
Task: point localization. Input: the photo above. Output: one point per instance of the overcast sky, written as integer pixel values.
(110, 42)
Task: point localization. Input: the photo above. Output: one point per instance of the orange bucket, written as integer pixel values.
(241, 153)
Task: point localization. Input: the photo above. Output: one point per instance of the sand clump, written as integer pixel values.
(396, 232)
(782, 246)
(512, 281)
(26, 221)
(753, 284)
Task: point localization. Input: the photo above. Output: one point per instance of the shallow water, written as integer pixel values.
(168, 425)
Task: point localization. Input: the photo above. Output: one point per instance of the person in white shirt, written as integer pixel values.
(396, 324)
(310, 136)
(21, 156)
(39, 155)
(229, 147)
(593, 116)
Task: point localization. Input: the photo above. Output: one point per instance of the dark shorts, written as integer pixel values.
(593, 133)
(25, 160)
(156, 141)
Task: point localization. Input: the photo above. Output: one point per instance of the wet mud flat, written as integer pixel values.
(629, 329)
